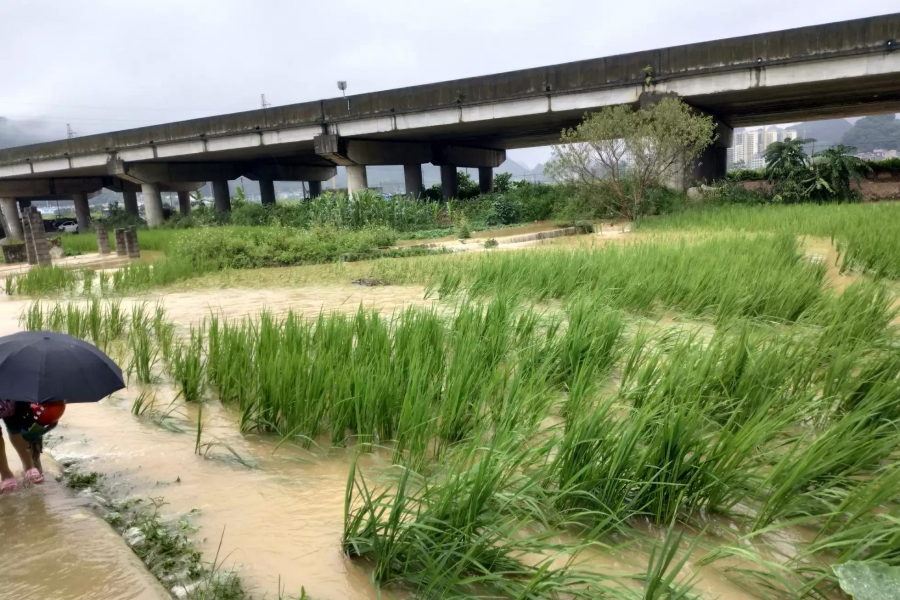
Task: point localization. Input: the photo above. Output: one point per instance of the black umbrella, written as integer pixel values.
(42, 366)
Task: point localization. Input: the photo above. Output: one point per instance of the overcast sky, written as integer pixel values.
(104, 65)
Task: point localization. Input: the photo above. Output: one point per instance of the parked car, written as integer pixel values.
(68, 227)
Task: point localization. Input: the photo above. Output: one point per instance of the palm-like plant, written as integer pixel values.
(787, 159)
(839, 167)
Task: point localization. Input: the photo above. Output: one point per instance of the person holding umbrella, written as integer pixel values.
(41, 371)
(25, 423)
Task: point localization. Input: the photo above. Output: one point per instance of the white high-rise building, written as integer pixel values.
(790, 134)
(746, 146)
(769, 137)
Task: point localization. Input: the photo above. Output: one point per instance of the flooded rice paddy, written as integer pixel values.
(277, 510)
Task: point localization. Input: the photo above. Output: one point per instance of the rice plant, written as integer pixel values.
(143, 353)
(188, 366)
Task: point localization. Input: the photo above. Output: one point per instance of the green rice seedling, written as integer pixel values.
(145, 401)
(77, 321)
(188, 366)
(44, 281)
(10, 284)
(32, 319)
(457, 528)
(87, 280)
(103, 282)
(143, 353)
(56, 320)
(661, 585)
(115, 320)
(199, 431)
(95, 324)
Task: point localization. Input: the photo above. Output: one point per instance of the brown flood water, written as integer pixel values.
(55, 548)
(280, 520)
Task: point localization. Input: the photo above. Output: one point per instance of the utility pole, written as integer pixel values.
(265, 104)
(69, 133)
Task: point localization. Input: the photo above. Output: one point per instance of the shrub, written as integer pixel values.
(242, 248)
(502, 182)
(746, 175)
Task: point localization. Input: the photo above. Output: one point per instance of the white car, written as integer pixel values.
(68, 227)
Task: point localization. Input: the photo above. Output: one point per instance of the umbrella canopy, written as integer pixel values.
(42, 366)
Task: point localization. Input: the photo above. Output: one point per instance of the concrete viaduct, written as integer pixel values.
(839, 69)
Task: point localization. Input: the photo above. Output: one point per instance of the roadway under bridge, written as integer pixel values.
(825, 71)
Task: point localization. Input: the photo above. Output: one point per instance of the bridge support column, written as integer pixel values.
(412, 177)
(267, 190)
(82, 211)
(222, 195)
(184, 203)
(153, 209)
(357, 180)
(485, 180)
(449, 182)
(129, 200)
(315, 189)
(712, 164)
(12, 222)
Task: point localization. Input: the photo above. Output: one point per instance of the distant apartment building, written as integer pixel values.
(746, 146)
(749, 147)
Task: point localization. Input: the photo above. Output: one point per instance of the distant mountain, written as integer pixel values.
(880, 132)
(826, 133)
(20, 133)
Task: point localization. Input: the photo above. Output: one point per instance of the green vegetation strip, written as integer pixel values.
(866, 234)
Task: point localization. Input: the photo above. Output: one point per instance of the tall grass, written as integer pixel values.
(865, 233)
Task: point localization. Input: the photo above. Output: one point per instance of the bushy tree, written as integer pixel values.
(627, 151)
(787, 159)
(502, 182)
(839, 167)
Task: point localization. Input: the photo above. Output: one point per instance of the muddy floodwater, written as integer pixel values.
(278, 511)
(55, 548)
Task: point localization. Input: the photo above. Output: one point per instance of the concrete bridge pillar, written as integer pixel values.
(357, 180)
(449, 182)
(485, 180)
(153, 209)
(267, 190)
(129, 200)
(184, 203)
(222, 195)
(315, 189)
(82, 211)
(712, 164)
(412, 176)
(12, 222)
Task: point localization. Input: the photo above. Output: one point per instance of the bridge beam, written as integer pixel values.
(29, 188)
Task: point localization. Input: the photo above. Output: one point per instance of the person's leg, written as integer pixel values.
(5, 471)
(21, 446)
(32, 475)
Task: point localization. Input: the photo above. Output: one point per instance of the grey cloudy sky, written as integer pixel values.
(104, 65)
